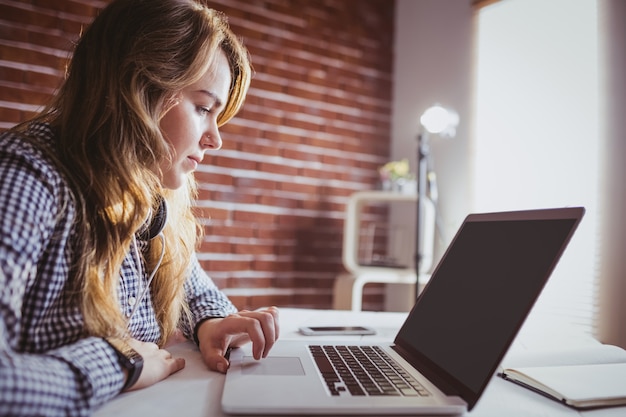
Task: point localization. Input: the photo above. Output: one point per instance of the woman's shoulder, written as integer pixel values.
(33, 191)
(35, 140)
(30, 152)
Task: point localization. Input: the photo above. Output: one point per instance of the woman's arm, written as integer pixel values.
(46, 366)
(68, 381)
(205, 300)
(217, 325)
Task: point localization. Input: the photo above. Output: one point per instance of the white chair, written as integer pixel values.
(348, 287)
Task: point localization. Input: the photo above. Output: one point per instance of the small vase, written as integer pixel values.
(408, 186)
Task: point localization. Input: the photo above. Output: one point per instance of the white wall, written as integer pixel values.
(433, 63)
(537, 130)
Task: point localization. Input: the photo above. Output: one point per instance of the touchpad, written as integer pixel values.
(272, 366)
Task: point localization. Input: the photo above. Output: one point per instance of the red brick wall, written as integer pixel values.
(314, 129)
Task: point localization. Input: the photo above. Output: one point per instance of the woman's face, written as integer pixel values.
(190, 126)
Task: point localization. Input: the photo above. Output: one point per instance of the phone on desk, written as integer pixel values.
(336, 330)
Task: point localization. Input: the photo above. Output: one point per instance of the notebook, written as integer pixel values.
(451, 343)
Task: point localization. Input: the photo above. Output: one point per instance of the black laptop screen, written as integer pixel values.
(479, 296)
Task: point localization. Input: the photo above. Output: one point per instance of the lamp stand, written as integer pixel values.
(423, 150)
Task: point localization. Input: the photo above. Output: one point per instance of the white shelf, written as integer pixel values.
(349, 286)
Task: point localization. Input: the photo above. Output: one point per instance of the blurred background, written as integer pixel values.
(338, 89)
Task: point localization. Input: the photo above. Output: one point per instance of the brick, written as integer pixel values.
(299, 187)
(76, 7)
(254, 283)
(249, 216)
(213, 178)
(239, 130)
(227, 265)
(273, 201)
(276, 233)
(216, 247)
(259, 301)
(227, 162)
(10, 116)
(234, 197)
(230, 231)
(275, 266)
(253, 248)
(255, 183)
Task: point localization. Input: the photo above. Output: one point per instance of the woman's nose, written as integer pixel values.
(211, 140)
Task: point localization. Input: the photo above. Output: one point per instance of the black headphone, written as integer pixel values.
(155, 226)
(152, 228)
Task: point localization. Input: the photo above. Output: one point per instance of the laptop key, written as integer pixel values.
(362, 371)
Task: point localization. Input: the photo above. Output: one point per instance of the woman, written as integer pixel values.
(97, 236)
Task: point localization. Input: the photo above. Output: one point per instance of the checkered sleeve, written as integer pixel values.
(70, 381)
(67, 381)
(46, 368)
(204, 298)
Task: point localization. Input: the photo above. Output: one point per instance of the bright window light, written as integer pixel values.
(536, 138)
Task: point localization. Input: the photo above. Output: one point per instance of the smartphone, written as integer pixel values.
(335, 330)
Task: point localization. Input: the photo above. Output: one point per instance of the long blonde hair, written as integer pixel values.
(124, 73)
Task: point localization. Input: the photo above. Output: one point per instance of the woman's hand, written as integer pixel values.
(158, 364)
(215, 336)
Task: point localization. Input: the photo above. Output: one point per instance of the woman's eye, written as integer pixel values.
(203, 110)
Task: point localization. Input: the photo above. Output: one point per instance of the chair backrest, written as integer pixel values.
(353, 228)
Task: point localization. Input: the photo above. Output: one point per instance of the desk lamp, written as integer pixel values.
(440, 121)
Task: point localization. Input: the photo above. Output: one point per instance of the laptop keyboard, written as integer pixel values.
(363, 370)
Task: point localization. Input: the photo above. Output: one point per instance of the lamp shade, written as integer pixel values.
(440, 120)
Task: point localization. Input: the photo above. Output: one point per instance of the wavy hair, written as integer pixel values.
(125, 71)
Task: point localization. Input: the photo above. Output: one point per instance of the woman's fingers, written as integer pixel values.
(261, 327)
(158, 363)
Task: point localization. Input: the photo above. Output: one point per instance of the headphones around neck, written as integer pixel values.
(151, 229)
(157, 223)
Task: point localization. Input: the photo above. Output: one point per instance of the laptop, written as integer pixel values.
(450, 345)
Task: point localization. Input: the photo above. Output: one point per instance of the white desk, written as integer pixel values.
(195, 391)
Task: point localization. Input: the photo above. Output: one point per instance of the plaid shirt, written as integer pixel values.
(47, 366)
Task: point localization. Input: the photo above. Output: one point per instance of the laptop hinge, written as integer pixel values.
(432, 375)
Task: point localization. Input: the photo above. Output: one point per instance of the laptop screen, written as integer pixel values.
(481, 292)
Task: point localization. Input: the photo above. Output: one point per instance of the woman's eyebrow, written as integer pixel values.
(218, 102)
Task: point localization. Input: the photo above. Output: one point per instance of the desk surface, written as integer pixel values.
(195, 391)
